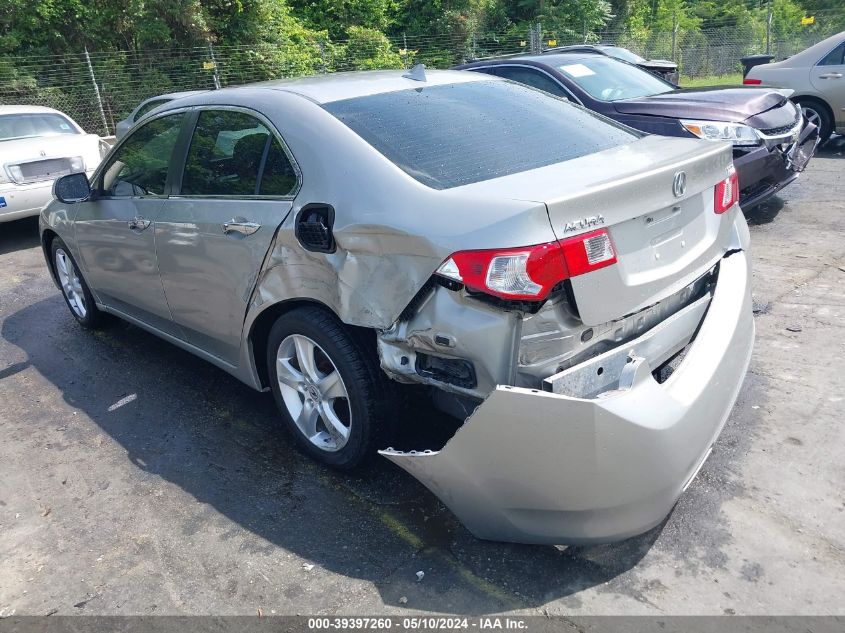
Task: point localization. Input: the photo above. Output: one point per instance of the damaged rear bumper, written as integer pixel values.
(532, 466)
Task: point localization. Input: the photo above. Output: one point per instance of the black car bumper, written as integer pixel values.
(763, 171)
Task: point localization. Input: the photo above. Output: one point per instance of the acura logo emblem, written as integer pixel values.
(679, 184)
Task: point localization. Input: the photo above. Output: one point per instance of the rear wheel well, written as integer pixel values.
(260, 331)
(817, 100)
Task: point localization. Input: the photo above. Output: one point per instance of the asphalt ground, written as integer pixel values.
(138, 479)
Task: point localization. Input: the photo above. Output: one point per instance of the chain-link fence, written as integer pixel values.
(98, 89)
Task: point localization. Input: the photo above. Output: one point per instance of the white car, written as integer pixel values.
(38, 145)
(817, 77)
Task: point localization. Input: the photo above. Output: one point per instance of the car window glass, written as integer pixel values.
(622, 53)
(534, 78)
(25, 125)
(456, 134)
(278, 178)
(229, 150)
(148, 107)
(225, 156)
(834, 57)
(608, 79)
(139, 168)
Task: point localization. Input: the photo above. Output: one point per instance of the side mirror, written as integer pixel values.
(72, 188)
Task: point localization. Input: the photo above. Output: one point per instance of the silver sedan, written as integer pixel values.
(581, 291)
(817, 77)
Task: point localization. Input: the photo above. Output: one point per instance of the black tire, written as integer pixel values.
(825, 121)
(92, 318)
(371, 396)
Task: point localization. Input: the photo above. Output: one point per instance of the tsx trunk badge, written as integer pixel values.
(679, 184)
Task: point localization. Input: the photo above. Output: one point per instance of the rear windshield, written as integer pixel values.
(15, 126)
(451, 135)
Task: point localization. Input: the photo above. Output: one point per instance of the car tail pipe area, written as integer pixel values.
(598, 451)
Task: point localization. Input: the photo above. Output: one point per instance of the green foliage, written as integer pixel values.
(140, 48)
(366, 49)
(573, 19)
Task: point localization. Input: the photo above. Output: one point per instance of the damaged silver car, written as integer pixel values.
(578, 291)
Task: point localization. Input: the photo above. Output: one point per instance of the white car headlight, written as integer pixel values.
(736, 133)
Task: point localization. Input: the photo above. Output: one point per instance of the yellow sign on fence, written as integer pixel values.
(809, 20)
(552, 42)
(208, 65)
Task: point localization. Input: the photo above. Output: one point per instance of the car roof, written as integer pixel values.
(27, 109)
(347, 85)
(578, 48)
(174, 95)
(549, 59)
(811, 56)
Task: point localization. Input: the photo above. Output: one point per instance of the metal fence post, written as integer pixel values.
(769, 30)
(97, 92)
(215, 77)
(322, 54)
(674, 35)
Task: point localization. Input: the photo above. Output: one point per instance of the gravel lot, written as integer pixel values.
(137, 479)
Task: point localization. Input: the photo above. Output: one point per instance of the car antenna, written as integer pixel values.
(417, 73)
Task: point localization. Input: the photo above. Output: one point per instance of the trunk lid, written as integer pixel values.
(662, 241)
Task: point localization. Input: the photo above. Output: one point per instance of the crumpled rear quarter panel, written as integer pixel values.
(535, 467)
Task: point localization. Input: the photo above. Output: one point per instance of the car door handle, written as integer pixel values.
(244, 228)
(138, 223)
(831, 76)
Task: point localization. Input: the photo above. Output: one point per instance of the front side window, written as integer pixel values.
(608, 79)
(234, 154)
(533, 78)
(834, 57)
(29, 125)
(456, 134)
(139, 168)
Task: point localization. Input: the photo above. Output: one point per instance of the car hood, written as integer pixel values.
(717, 104)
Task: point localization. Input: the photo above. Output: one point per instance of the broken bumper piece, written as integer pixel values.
(531, 466)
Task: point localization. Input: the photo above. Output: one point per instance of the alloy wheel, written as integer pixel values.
(811, 115)
(314, 393)
(71, 283)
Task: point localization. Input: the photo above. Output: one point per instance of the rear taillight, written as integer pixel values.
(752, 82)
(529, 273)
(726, 193)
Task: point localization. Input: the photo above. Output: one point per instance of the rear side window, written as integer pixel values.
(451, 135)
(234, 154)
(834, 57)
